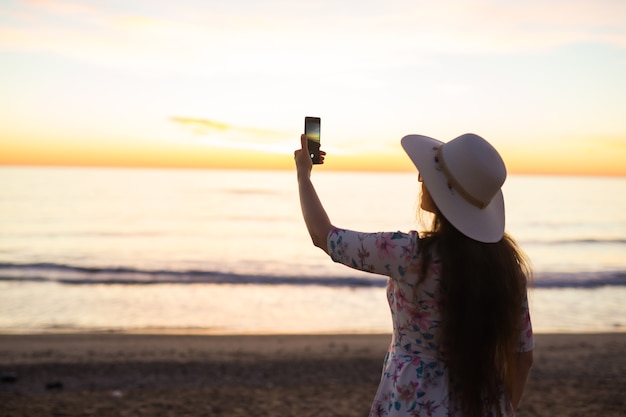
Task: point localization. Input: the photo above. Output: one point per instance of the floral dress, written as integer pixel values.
(414, 380)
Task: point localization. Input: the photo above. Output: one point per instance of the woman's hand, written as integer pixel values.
(304, 164)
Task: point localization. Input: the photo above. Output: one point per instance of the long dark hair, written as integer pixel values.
(483, 286)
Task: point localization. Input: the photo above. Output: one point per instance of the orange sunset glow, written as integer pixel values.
(213, 85)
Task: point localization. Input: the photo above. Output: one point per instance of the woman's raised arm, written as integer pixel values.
(315, 217)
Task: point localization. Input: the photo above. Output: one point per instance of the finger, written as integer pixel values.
(305, 142)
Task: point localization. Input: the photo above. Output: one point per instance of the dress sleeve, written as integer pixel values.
(385, 253)
(526, 339)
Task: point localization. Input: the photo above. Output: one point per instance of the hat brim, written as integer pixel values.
(481, 224)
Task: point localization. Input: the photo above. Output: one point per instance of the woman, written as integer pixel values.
(462, 339)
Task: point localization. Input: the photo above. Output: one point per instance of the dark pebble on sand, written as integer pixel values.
(8, 378)
(54, 385)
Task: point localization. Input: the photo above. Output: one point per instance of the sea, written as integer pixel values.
(227, 252)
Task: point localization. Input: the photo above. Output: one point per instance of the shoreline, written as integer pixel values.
(35, 308)
(105, 374)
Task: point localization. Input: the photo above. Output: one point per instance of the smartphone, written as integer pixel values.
(312, 131)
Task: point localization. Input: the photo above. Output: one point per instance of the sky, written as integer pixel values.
(227, 83)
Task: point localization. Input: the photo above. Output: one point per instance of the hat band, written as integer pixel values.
(453, 183)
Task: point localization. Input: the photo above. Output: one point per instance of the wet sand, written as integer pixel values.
(295, 375)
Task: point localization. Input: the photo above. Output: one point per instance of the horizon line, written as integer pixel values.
(283, 168)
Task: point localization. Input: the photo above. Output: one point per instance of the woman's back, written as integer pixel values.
(416, 375)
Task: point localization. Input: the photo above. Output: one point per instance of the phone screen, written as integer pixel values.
(312, 128)
(312, 131)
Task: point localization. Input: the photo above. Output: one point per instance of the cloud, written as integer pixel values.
(214, 133)
(116, 36)
(215, 36)
(210, 127)
(60, 7)
(608, 144)
(485, 26)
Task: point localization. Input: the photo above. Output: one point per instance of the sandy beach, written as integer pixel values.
(295, 375)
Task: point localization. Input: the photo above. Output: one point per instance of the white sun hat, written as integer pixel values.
(464, 178)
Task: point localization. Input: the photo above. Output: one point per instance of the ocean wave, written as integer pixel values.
(585, 279)
(90, 275)
(577, 241)
(77, 275)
